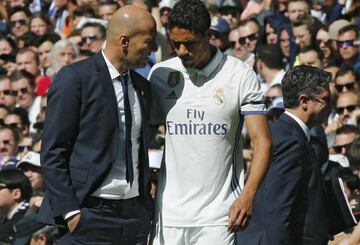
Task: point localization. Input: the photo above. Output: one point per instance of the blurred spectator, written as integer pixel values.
(29, 231)
(305, 32)
(28, 40)
(353, 155)
(220, 34)
(333, 69)
(297, 9)
(346, 105)
(18, 119)
(19, 20)
(28, 60)
(238, 50)
(334, 31)
(311, 57)
(270, 65)
(9, 141)
(287, 45)
(15, 192)
(7, 44)
(345, 136)
(7, 96)
(272, 25)
(165, 10)
(44, 45)
(324, 44)
(40, 24)
(275, 109)
(81, 15)
(272, 93)
(59, 14)
(30, 166)
(107, 8)
(62, 53)
(8, 63)
(92, 37)
(348, 46)
(4, 110)
(249, 34)
(231, 13)
(23, 86)
(34, 233)
(346, 80)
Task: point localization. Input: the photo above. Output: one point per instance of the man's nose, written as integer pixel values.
(183, 50)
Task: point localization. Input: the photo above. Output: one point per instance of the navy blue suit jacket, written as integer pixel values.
(289, 207)
(81, 136)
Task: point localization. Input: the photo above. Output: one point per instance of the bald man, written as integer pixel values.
(94, 154)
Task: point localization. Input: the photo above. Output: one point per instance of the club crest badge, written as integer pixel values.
(173, 78)
(219, 96)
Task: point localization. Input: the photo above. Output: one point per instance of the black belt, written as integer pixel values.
(101, 203)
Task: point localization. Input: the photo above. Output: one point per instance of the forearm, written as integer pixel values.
(258, 166)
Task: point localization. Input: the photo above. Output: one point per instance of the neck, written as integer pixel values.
(118, 63)
(208, 54)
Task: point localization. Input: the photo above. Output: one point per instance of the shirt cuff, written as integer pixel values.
(70, 214)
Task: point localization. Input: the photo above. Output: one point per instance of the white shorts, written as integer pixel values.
(203, 235)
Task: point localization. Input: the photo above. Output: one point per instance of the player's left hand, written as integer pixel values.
(240, 212)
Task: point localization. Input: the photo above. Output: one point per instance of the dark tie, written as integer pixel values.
(128, 123)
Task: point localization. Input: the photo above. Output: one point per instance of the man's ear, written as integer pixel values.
(304, 102)
(16, 194)
(124, 43)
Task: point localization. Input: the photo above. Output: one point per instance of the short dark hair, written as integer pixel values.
(28, 50)
(14, 178)
(29, 38)
(5, 107)
(305, 80)
(271, 55)
(345, 69)
(50, 36)
(9, 39)
(20, 9)
(109, 2)
(19, 74)
(101, 28)
(309, 49)
(190, 15)
(22, 114)
(349, 28)
(84, 10)
(346, 129)
(15, 132)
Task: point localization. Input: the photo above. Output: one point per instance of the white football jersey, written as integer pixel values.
(203, 114)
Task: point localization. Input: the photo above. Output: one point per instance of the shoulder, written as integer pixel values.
(236, 64)
(161, 72)
(284, 134)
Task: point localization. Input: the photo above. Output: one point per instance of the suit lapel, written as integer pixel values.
(103, 76)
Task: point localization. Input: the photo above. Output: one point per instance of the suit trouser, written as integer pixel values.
(105, 222)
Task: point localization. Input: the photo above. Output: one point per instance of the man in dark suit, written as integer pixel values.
(289, 207)
(94, 148)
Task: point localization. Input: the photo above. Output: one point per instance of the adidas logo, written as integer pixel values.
(172, 95)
